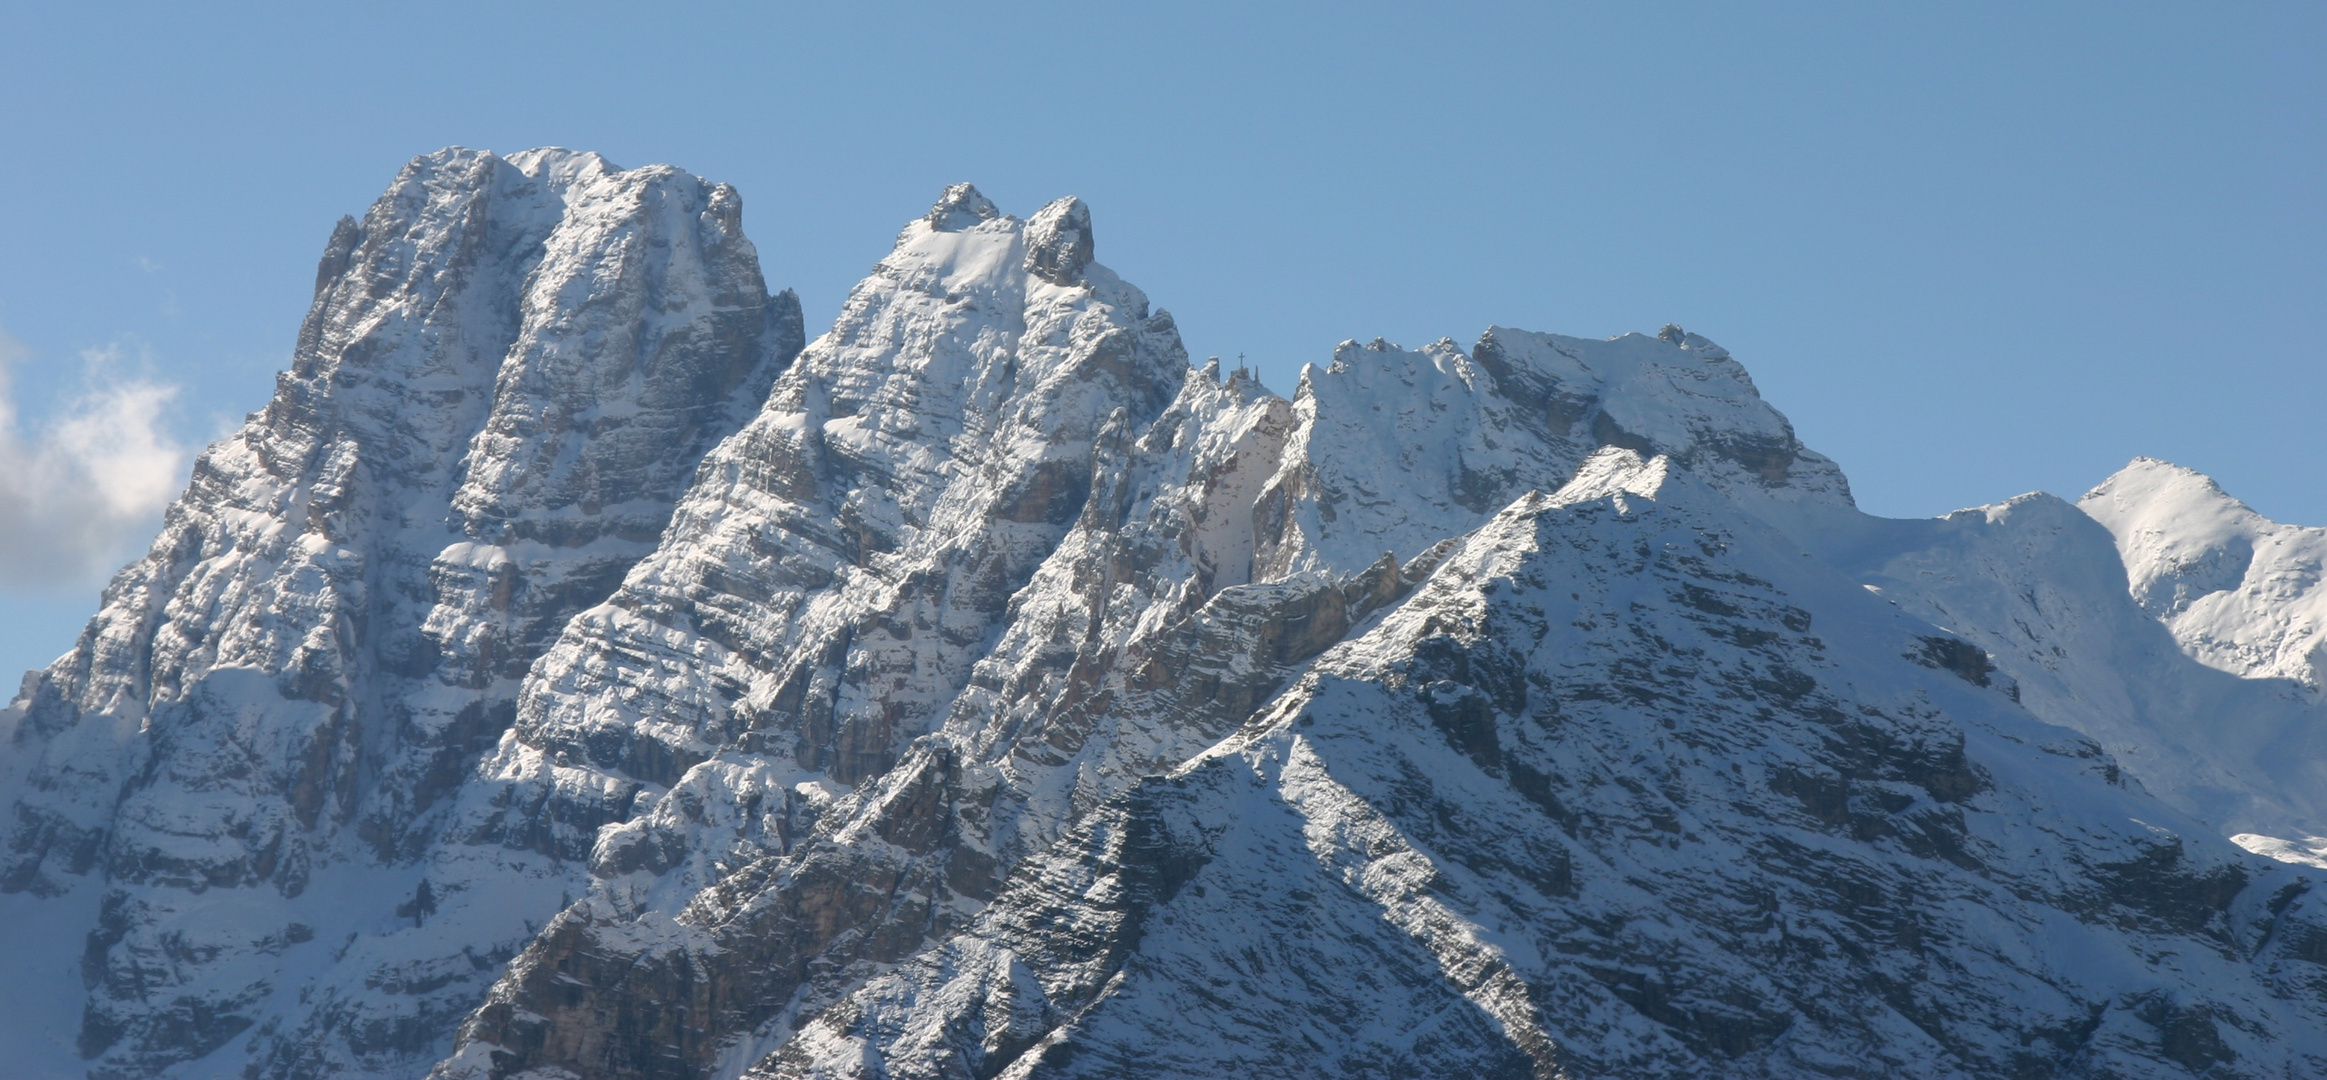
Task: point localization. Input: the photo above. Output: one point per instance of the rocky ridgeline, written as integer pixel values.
(988, 692)
(509, 372)
(1625, 788)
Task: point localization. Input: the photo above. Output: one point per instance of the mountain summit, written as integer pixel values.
(509, 370)
(2241, 592)
(573, 673)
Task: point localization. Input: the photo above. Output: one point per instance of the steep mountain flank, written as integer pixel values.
(570, 674)
(1626, 788)
(1214, 545)
(508, 373)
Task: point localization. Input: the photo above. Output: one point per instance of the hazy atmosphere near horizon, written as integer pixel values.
(1971, 252)
(1364, 541)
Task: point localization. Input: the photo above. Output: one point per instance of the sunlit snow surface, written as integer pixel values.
(1580, 807)
(1003, 695)
(2241, 592)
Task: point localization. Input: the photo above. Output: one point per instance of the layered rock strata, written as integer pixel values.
(989, 692)
(1625, 788)
(509, 371)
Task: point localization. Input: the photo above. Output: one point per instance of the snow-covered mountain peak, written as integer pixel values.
(1058, 241)
(509, 371)
(2183, 537)
(960, 206)
(1396, 444)
(1679, 394)
(974, 310)
(1004, 696)
(2241, 592)
(1613, 790)
(1672, 334)
(559, 165)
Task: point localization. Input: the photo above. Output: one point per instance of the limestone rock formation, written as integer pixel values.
(510, 368)
(573, 675)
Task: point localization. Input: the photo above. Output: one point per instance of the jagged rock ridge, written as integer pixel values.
(1007, 697)
(1212, 551)
(1626, 788)
(508, 372)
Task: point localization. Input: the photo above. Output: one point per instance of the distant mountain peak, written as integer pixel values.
(2241, 592)
(960, 206)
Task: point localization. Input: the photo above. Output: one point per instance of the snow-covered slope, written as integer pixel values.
(2034, 583)
(1627, 788)
(509, 370)
(1213, 542)
(819, 601)
(2241, 592)
(991, 692)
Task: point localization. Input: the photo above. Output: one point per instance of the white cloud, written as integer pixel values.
(82, 490)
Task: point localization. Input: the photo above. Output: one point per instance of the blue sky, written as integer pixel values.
(1972, 250)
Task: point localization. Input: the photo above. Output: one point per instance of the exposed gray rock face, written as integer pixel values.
(984, 906)
(1058, 241)
(509, 372)
(820, 600)
(990, 693)
(1626, 788)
